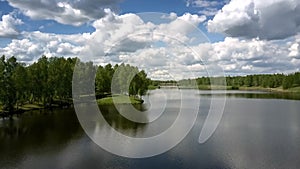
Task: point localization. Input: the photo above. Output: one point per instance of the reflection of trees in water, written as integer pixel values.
(37, 132)
(120, 123)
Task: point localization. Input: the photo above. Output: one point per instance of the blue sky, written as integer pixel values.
(244, 36)
(126, 6)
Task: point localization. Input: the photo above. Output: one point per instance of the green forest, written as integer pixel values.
(256, 81)
(281, 82)
(48, 82)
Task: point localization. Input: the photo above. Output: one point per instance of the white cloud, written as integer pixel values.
(113, 34)
(155, 48)
(294, 50)
(171, 16)
(268, 19)
(35, 44)
(178, 30)
(8, 26)
(64, 11)
(24, 50)
(250, 56)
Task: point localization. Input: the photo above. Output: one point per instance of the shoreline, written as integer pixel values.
(34, 106)
(244, 88)
(118, 99)
(123, 99)
(272, 90)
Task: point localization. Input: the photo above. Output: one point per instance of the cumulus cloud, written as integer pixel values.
(8, 26)
(179, 24)
(295, 50)
(114, 34)
(268, 19)
(64, 11)
(248, 56)
(162, 49)
(23, 49)
(35, 44)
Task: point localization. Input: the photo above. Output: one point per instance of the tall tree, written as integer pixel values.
(287, 82)
(8, 92)
(20, 80)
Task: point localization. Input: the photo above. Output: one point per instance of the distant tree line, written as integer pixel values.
(286, 81)
(50, 79)
(264, 80)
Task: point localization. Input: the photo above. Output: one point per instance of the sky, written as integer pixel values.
(170, 39)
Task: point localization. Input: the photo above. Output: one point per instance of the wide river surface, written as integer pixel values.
(257, 130)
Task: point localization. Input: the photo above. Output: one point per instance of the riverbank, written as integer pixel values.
(20, 109)
(275, 90)
(108, 100)
(119, 99)
(256, 88)
(220, 87)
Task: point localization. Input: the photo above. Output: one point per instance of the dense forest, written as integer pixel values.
(49, 81)
(263, 80)
(260, 81)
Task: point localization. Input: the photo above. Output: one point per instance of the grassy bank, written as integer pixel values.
(278, 89)
(20, 109)
(119, 99)
(32, 106)
(257, 88)
(152, 87)
(214, 87)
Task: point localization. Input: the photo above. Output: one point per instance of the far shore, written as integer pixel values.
(245, 88)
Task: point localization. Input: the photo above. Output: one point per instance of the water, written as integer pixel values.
(255, 132)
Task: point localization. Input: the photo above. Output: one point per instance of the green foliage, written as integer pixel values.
(8, 88)
(126, 80)
(287, 82)
(262, 80)
(119, 99)
(43, 81)
(50, 79)
(103, 79)
(297, 79)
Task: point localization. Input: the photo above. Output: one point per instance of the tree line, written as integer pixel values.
(49, 80)
(262, 80)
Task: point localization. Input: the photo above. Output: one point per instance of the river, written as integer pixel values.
(257, 130)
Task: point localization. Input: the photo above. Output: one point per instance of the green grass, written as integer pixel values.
(25, 107)
(214, 87)
(152, 87)
(119, 99)
(260, 88)
(254, 88)
(294, 89)
(31, 106)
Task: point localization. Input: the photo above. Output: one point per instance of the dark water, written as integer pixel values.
(255, 132)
